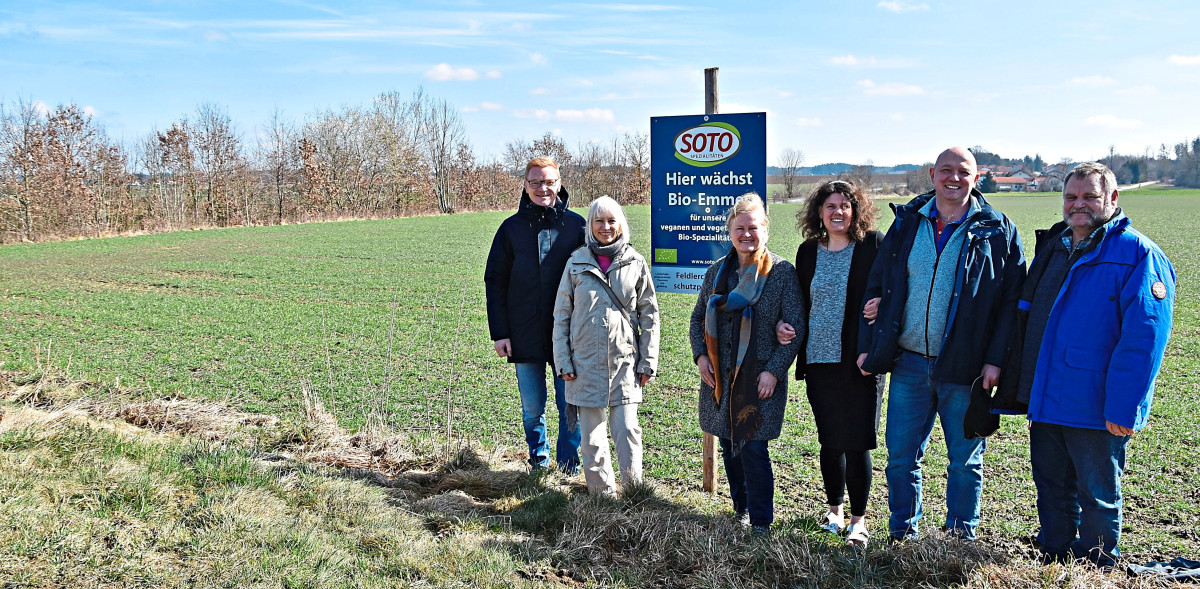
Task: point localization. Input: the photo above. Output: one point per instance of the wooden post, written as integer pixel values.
(709, 459)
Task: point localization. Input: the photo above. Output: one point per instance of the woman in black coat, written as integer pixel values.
(833, 263)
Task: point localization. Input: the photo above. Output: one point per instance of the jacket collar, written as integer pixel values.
(585, 257)
(984, 212)
(535, 211)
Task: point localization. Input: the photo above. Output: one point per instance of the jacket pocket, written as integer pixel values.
(1085, 359)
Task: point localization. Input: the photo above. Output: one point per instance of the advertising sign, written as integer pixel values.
(700, 165)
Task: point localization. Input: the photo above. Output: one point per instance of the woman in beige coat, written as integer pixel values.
(606, 343)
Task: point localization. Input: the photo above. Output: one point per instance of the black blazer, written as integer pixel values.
(860, 269)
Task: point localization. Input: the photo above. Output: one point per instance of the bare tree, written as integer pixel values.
(917, 180)
(218, 151)
(863, 175)
(440, 132)
(790, 161)
(278, 157)
(21, 153)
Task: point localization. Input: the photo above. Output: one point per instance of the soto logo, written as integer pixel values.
(708, 144)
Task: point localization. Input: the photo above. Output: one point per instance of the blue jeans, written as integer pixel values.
(913, 401)
(531, 382)
(1077, 473)
(751, 480)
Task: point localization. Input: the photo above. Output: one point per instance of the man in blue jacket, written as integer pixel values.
(943, 291)
(1097, 313)
(521, 278)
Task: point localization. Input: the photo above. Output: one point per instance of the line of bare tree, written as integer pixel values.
(62, 176)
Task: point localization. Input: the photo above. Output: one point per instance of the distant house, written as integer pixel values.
(1011, 184)
(1051, 183)
(1019, 174)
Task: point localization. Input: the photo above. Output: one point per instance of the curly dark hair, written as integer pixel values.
(808, 218)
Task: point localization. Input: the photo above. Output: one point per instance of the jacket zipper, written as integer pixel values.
(937, 260)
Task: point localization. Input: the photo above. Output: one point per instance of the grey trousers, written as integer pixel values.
(627, 437)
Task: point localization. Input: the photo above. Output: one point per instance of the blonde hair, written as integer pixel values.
(541, 162)
(747, 203)
(605, 204)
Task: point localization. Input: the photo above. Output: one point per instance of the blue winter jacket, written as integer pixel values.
(524, 266)
(987, 285)
(1108, 329)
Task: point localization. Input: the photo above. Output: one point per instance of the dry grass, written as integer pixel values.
(171, 492)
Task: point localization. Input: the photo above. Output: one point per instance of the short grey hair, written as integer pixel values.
(1108, 180)
(606, 204)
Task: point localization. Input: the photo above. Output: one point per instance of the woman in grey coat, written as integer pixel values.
(606, 343)
(743, 367)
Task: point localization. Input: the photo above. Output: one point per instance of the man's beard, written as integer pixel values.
(1095, 220)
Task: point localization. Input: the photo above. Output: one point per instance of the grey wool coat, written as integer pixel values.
(592, 338)
(780, 299)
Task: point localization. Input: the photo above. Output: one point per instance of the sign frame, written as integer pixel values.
(700, 165)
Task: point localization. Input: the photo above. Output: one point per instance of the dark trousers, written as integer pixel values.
(751, 480)
(847, 470)
(1077, 473)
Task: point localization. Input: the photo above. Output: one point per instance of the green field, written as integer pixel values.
(385, 321)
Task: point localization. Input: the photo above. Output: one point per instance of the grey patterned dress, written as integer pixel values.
(780, 299)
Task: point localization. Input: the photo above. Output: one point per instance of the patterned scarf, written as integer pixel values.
(744, 416)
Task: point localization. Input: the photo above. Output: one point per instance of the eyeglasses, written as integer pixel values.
(536, 184)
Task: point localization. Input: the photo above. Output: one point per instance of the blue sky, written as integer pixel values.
(891, 81)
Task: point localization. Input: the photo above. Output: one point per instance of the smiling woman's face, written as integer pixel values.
(837, 214)
(749, 233)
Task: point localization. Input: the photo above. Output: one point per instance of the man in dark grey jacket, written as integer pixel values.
(946, 282)
(524, 267)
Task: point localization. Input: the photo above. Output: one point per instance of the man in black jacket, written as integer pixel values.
(524, 267)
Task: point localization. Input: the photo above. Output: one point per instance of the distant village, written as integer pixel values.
(1020, 179)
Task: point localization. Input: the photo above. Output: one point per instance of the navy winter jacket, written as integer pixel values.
(524, 266)
(987, 286)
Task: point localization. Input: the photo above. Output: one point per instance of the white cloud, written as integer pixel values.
(540, 114)
(443, 72)
(492, 75)
(898, 6)
(806, 122)
(1184, 59)
(538, 58)
(591, 115)
(539, 91)
(1112, 122)
(41, 108)
(1143, 90)
(90, 111)
(849, 60)
(1092, 81)
(897, 117)
(889, 89)
(213, 35)
(786, 94)
(483, 106)
(640, 7)
(852, 61)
